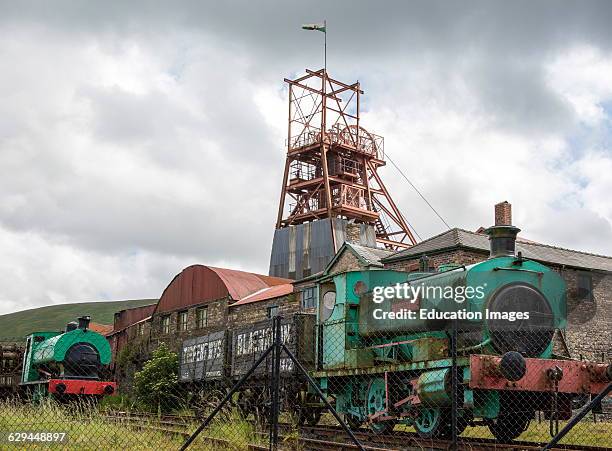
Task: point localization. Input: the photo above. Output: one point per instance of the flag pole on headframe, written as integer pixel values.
(323, 29)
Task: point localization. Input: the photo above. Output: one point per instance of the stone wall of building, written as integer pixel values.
(348, 261)
(240, 315)
(589, 330)
(217, 320)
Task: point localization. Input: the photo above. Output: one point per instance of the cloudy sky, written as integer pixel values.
(139, 137)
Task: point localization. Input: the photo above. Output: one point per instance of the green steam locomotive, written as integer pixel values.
(67, 365)
(386, 341)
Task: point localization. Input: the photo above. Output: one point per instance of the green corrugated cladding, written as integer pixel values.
(54, 347)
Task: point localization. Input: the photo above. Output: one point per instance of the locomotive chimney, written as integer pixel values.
(503, 213)
(502, 236)
(84, 322)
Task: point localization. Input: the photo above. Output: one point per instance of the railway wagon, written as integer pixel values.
(384, 362)
(11, 357)
(204, 369)
(212, 363)
(249, 342)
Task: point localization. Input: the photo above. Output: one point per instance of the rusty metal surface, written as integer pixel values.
(266, 293)
(127, 317)
(331, 170)
(198, 283)
(578, 376)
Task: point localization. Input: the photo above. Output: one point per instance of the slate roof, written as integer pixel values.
(368, 256)
(460, 238)
(371, 256)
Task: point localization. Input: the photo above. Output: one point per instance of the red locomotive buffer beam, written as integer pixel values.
(81, 387)
(541, 375)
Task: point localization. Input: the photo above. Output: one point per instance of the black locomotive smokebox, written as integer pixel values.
(531, 336)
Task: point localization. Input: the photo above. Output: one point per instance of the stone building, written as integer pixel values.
(588, 277)
(129, 325)
(351, 256)
(267, 303)
(197, 300)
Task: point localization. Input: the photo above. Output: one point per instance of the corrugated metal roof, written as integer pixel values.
(198, 283)
(266, 293)
(240, 284)
(536, 251)
(127, 317)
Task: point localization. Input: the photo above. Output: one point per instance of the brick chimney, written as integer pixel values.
(502, 236)
(503, 213)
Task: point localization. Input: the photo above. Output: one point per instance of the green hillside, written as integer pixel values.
(55, 317)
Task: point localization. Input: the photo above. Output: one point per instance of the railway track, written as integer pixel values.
(330, 438)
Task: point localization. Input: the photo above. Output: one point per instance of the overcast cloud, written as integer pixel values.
(137, 138)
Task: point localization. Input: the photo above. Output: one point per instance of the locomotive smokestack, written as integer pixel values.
(84, 322)
(502, 236)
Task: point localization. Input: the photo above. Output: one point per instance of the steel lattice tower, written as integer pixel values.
(332, 162)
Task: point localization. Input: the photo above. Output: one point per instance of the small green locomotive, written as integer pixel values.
(66, 365)
(384, 345)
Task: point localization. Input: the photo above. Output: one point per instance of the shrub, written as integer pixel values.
(157, 387)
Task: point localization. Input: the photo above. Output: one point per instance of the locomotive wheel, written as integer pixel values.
(302, 413)
(309, 416)
(434, 422)
(508, 427)
(376, 402)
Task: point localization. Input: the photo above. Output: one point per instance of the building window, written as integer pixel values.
(309, 297)
(182, 321)
(585, 287)
(166, 324)
(272, 311)
(202, 317)
(141, 329)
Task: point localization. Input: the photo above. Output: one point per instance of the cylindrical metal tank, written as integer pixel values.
(504, 285)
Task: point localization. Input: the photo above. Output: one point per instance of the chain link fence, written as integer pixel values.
(339, 380)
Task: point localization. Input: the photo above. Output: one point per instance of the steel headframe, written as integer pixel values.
(331, 169)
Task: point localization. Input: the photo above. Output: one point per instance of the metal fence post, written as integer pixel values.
(321, 396)
(227, 398)
(568, 427)
(275, 382)
(454, 386)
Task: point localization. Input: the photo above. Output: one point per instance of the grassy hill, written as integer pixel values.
(55, 317)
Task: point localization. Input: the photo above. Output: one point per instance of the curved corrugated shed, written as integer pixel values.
(198, 283)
